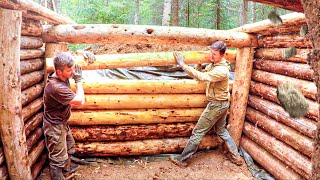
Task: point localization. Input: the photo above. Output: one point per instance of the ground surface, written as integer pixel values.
(205, 165)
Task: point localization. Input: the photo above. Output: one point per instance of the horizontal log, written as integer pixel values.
(107, 86)
(276, 54)
(4, 171)
(290, 23)
(36, 151)
(28, 66)
(31, 93)
(31, 27)
(31, 53)
(292, 5)
(303, 125)
(270, 93)
(29, 42)
(296, 70)
(144, 34)
(308, 88)
(301, 143)
(34, 10)
(131, 132)
(30, 79)
(141, 101)
(2, 158)
(270, 163)
(138, 116)
(32, 123)
(283, 152)
(39, 165)
(31, 108)
(143, 147)
(283, 40)
(113, 61)
(34, 137)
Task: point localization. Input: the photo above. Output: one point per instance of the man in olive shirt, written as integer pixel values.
(58, 98)
(216, 75)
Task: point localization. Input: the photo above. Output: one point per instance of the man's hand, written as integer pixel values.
(179, 58)
(77, 73)
(89, 56)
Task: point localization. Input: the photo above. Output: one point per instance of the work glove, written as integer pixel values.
(179, 58)
(88, 56)
(77, 73)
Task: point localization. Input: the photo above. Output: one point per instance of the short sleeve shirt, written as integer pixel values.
(56, 98)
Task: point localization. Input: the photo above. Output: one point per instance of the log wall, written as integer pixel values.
(287, 140)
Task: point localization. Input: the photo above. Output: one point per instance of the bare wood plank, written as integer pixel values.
(36, 151)
(39, 165)
(33, 122)
(11, 126)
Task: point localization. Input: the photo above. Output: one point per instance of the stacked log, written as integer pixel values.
(268, 128)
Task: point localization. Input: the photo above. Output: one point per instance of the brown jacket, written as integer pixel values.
(217, 78)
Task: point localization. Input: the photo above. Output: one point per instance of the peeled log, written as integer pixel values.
(34, 137)
(31, 94)
(28, 66)
(30, 79)
(239, 98)
(296, 70)
(283, 40)
(113, 61)
(144, 147)
(30, 27)
(276, 54)
(131, 132)
(139, 116)
(303, 125)
(145, 34)
(272, 164)
(270, 93)
(140, 101)
(32, 123)
(36, 151)
(29, 42)
(282, 132)
(106, 86)
(31, 53)
(39, 165)
(32, 108)
(308, 88)
(283, 152)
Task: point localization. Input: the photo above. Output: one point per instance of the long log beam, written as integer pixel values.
(35, 11)
(308, 88)
(304, 125)
(30, 79)
(141, 101)
(276, 54)
(145, 34)
(138, 116)
(31, 94)
(296, 70)
(293, 5)
(30, 27)
(33, 122)
(283, 40)
(39, 165)
(283, 152)
(113, 61)
(106, 86)
(144, 147)
(131, 132)
(34, 137)
(30, 65)
(32, 108)
(269, 162)
(282, 132)
(290, 23)
(29, 42)
(36, 151)
(31, 53)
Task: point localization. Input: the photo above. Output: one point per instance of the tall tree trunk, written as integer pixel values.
(253, 12)
(188, 13)
(218, 14)
(136, 15)
(176, 12)
(244, 12)
(312, 12)
(166, 13)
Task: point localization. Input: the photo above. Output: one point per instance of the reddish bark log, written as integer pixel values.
(30, 79)
(276, 54)
(28, 66)
(31, 94)
(283, 40)
(32, 123)
(36, 151)
(32, 108)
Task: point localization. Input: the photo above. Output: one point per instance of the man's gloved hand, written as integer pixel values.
(89, 56)
(179, 58)
(77, 73)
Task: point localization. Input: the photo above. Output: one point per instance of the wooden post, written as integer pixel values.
(240, 92)
(11, 126)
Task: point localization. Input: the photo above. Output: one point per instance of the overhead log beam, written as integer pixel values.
(112, 61)
(33, 10)
(284, 40)
(145, 34)
(293, 5)
(276, 54)
(137, 116)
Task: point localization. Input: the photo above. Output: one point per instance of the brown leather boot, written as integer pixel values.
(56, 173)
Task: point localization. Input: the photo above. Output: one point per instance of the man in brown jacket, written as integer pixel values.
(216, 75)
